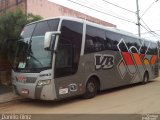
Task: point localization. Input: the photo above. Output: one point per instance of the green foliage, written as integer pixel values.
(11, 24)
(32, 18)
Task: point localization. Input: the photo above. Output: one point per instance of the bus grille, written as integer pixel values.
(27, 80)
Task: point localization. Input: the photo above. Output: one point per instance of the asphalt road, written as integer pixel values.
(133, 99)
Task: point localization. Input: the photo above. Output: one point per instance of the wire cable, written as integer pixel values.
(102, 12)
(147, 9)
(149, 28)
(150, 32)
(102, 9)
(119, 6)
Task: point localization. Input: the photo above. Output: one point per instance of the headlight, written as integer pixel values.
(44, 82)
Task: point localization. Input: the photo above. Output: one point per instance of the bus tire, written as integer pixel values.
(91, 88)
(145, 78)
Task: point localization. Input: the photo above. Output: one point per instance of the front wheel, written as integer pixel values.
(91, 89)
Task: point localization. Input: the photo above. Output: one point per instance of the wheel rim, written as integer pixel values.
(91, 87)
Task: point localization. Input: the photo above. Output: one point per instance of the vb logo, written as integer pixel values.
(103, 61)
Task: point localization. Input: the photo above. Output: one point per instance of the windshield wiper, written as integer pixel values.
(36, 59)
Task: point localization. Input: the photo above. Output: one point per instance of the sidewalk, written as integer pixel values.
(5, 89)
(7, 94)
(8, 97)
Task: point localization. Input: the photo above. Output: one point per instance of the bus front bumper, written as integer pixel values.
(33, 91)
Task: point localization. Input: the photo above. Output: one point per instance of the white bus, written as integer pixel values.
(64, 57)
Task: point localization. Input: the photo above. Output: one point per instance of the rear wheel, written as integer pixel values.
(91, 88)
(145, 78)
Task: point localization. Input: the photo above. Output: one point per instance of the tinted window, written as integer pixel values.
(95, 38)
(53, 24)
(133, 44)
(129, 41)
(45, 26)
(123, 44)
(153, 49)
(32, 44)
(144, 47)
(137, 43)
(69, 47)
(27, 31)
(41, 29)
(112, 40)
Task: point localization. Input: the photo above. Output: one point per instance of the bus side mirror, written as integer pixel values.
(49, 39)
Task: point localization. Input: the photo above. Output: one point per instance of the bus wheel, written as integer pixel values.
(91, 89)
(145, 78)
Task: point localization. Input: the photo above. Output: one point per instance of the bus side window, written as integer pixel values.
(112, 40)
(153, 49)
(144, 48)
(95, 38)
(68, 49)
(89, 45)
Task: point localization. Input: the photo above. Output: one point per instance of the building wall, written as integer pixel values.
(45, 9)
(49, 9)
(12, 5)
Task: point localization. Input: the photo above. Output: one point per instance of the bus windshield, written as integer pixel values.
(30, 53)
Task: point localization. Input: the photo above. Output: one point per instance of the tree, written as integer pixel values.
(11, 24)
(32, 18)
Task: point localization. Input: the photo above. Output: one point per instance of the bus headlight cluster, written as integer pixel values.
(44, 82)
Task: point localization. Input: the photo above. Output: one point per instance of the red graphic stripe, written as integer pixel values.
(142, 56)
(137, 59)
(127, 57)
(153, 59)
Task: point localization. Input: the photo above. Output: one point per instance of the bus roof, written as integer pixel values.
(112, 29)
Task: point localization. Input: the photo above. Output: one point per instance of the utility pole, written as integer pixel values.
(138, 19)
